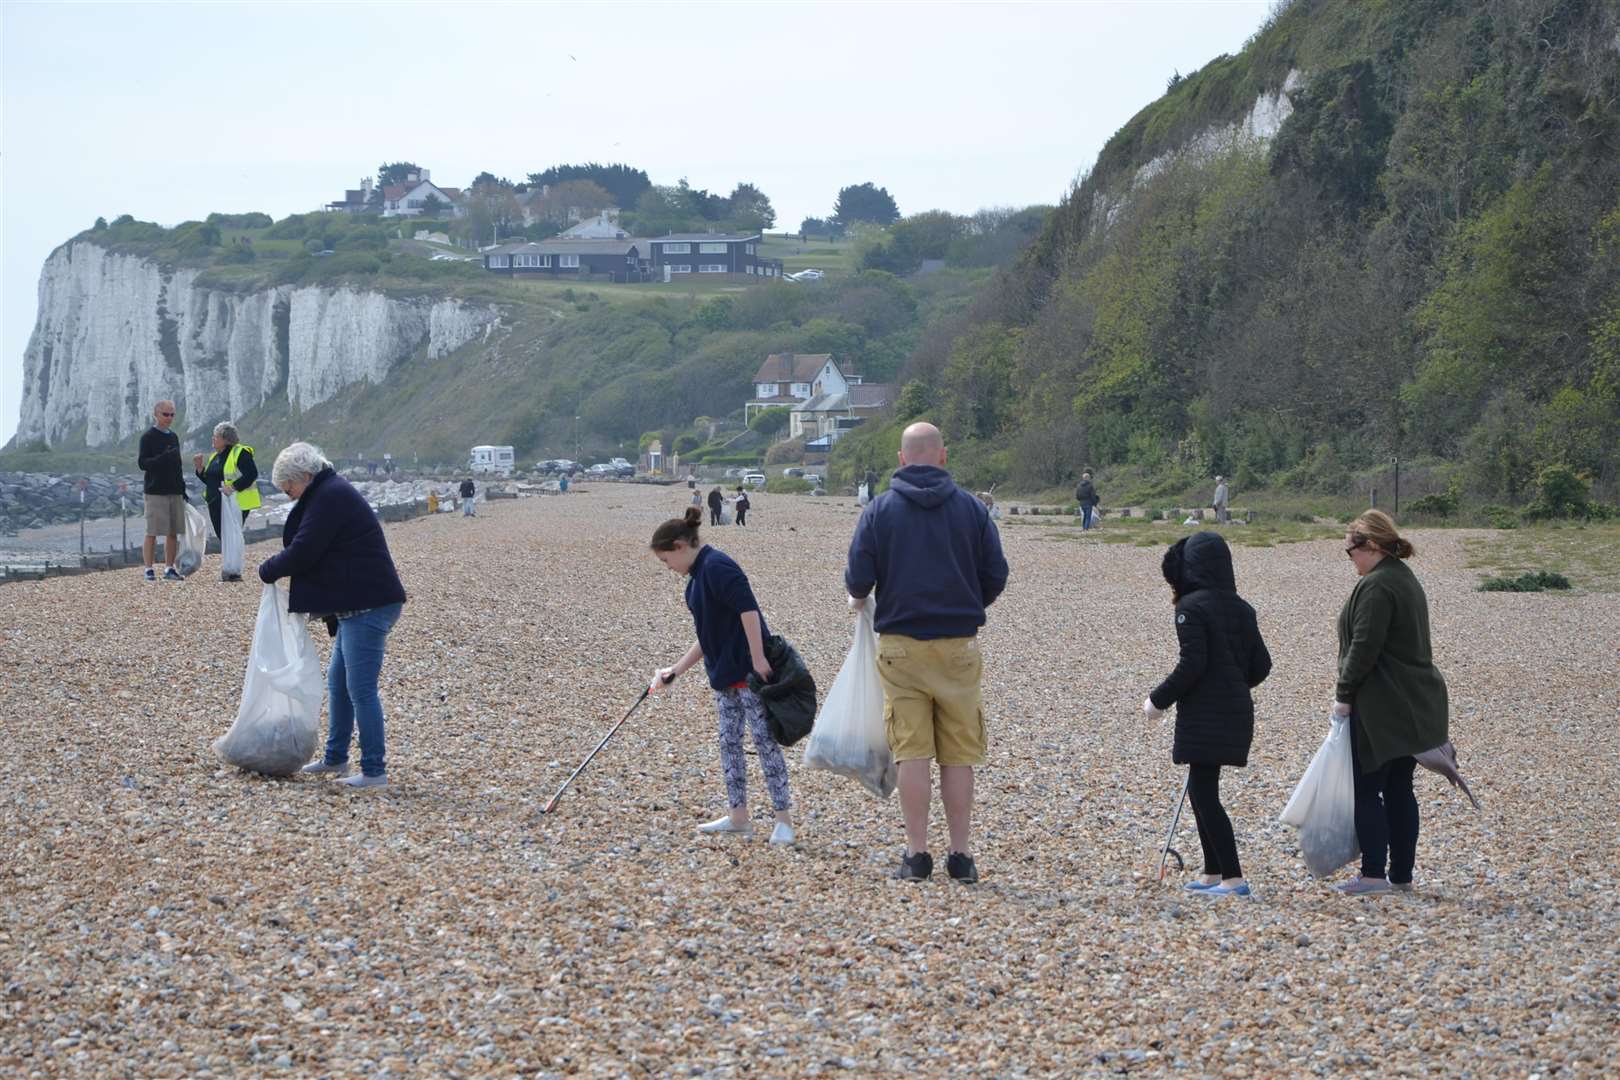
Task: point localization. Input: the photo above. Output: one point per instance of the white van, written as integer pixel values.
(498, 460)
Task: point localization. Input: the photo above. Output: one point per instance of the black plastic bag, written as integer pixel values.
(790, 697)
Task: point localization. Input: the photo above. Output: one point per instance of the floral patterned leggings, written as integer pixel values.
(736, 706)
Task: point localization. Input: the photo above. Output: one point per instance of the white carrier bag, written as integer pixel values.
(277, 727)
(1323, 806)
(848, 737)
(230, 532)
(194, 544)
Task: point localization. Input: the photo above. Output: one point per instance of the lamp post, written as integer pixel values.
(576, 439)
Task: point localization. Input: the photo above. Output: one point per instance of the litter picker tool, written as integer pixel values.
(552, 805)
(1170, 839)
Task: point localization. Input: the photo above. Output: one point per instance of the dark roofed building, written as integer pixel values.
(712, 253)
(615, 260)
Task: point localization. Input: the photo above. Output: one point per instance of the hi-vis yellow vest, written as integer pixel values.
(245, 500)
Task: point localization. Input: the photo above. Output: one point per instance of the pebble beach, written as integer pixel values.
(163, 915)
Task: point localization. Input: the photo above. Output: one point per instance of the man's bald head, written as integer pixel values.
(922, 444)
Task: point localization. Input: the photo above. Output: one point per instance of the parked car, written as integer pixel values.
(793, 472)
(754, 479)
(811, 274)
(814, 479)
(735, 472)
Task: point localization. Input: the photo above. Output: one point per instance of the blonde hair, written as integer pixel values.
(1378, 529)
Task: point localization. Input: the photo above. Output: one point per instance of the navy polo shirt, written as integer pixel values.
(717, 593)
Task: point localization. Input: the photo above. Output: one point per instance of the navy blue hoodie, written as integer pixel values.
(933, 554)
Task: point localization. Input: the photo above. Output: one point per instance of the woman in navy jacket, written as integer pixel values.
(1223, 657)
(334, 550)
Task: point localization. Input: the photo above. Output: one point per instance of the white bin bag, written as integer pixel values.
(194, 543)
(230, 532)
(848, 737)
(1323, 806)
(277, 727)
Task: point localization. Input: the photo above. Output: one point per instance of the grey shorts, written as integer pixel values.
(165, 515)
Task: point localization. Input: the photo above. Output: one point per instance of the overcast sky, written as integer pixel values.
(171, 111)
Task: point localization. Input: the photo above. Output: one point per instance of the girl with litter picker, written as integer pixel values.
(730, 642)
(1222, 659)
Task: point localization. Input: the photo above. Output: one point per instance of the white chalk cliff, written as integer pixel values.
(117, 332)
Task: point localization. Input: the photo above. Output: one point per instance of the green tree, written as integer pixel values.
(432, 206)
(396, 173)
(625, 185)
(749, 209)
(864, 202)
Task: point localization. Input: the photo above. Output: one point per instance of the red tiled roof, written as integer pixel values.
(395, 192)
(791, 367)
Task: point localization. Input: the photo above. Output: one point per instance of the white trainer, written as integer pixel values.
(724, 825)
(363, 781)
(321, 768)
(782, 834)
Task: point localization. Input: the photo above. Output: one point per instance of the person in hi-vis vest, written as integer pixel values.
(230, 463)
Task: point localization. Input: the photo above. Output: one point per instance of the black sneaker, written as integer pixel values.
(916, 867)
(961, 868)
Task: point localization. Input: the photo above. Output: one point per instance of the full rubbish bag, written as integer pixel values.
(849, 737)
(231, 542)
(194, 543)
(278, 723)
(1323, 806)
(789, 696)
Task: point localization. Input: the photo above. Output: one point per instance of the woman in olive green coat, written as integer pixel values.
(1394, 696)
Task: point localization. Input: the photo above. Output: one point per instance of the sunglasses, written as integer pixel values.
(1353, 548)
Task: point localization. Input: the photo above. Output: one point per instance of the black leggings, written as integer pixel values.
(1214, 827)
(1386, 816)
(714, 515)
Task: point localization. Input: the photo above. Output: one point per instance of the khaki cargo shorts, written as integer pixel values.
(931, 704)
(165, 515)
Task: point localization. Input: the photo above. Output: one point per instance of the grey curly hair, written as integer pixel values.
(226, 432)
(298, 462)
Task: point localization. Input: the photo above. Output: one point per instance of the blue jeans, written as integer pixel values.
(1085, 518)
(351, 688)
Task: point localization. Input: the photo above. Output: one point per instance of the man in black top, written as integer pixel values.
(165, 490)
(469, 498)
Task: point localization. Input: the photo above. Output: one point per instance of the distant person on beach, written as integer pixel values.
(469, 498)
(1218, 503)
(337, 557)
(1223, 658)
(717, 503)
(230, 463)
(1085, 493)
(742, 505)
(1394, 696)
(731, 635)
(165, 490)
(934, 557)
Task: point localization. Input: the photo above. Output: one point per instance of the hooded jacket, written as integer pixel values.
(933, 554)
(1223, 656)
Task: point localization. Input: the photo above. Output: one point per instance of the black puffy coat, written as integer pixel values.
(1223, 656)
(790, 697)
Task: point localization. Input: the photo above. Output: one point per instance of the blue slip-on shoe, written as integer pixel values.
(1197, 886)
(1227, 890)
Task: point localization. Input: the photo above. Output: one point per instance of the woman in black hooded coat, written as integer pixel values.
(1223, 657)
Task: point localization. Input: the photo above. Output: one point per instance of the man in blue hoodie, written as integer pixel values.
(934, 556)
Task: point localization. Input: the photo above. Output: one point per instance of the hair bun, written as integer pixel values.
(694, 516)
